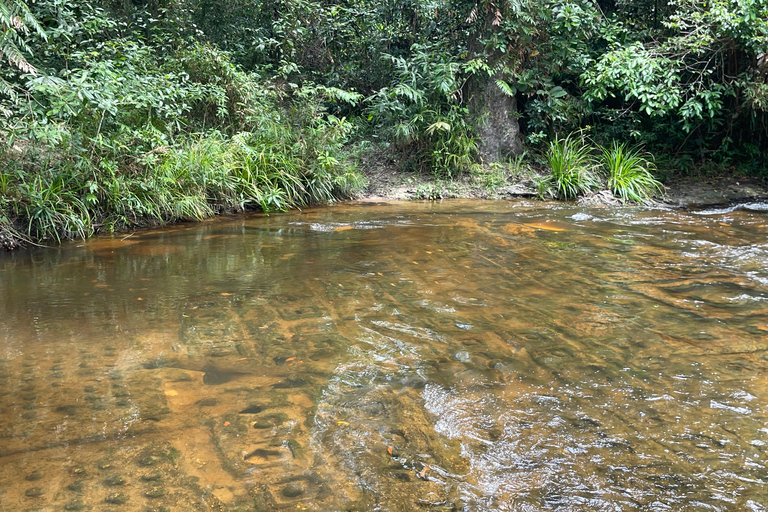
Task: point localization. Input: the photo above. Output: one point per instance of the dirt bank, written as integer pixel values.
(689, 192)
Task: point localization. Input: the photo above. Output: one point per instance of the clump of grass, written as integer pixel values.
(629, 171)
(192, 179)
(573, 168)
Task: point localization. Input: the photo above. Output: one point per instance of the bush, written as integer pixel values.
(629, 171)
(573, 169)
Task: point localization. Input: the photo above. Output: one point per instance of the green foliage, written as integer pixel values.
(114, 114)
(16, 23)
(696, 81)
(499, 174)
(573, 168)
(133, 133)
(630, 172)
(421, 112)
(192, 180)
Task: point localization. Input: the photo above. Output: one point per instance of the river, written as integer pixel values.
(456, 355)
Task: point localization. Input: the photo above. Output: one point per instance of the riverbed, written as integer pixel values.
(456, 355)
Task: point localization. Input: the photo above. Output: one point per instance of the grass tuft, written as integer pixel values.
(573, 169)
(629, 171)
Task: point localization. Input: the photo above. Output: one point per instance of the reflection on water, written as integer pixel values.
(469, 356)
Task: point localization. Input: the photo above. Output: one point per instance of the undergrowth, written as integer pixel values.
(202, 137)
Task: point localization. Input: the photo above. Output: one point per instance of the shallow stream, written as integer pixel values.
(463, 355)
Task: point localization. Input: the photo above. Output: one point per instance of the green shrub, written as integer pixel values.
(422, 113)
(629, 171)
(573, 168)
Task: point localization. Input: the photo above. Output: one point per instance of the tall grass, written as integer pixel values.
(191, 180)
(573, 168)
(134, 136)
(629, 171)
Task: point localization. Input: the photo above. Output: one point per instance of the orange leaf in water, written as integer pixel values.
(545, 225)
(226, 423)
(389, 450)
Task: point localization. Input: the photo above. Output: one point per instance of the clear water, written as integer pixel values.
(477, 356)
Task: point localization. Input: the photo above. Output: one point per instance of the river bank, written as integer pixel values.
(386, 182)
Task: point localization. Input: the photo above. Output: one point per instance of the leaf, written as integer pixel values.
(507, 89)
(440, 125)
(557, 92)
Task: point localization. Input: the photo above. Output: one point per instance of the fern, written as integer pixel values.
(16, 21)
(506, 88)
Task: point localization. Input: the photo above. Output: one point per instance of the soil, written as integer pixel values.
(386, 182)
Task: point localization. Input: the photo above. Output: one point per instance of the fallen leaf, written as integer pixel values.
(389, 450)
(226, 423)
(289, 359)
(544, 225)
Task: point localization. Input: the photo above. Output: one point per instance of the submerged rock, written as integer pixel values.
(293, 490)
(252, 409)
(117, 498)
(74, 505)
(114, 480)
(34, 476)
(207, 402)
(34, 492)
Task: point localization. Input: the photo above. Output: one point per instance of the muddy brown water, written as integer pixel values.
(477, 356)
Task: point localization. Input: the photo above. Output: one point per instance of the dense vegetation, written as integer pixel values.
(118, 113)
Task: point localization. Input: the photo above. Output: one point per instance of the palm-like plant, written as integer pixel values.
(16, 22)
(629, 171)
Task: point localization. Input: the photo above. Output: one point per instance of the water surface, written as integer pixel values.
(476, 356)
